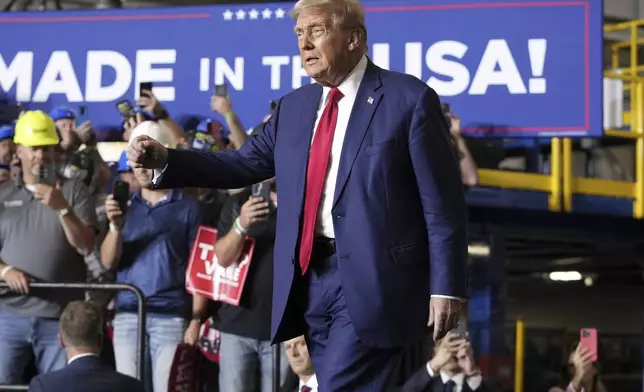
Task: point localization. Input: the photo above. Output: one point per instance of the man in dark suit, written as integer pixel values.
(369, 189)
(451, 369)
(81, 335)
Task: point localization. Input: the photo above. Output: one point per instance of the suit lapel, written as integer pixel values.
(364, 107)
(304, 122)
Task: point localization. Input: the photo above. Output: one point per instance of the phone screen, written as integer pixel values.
(588, 340)
(125, 108)
(221, 90)
(145, 86)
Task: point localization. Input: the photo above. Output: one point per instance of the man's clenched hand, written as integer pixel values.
(145, 152)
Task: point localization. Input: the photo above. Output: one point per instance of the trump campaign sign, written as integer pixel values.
(510, 68)
(204, 275)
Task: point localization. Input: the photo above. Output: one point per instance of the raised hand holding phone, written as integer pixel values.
(588, 341)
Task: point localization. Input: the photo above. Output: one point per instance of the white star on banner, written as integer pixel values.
(241, 14)
(228, 15)
(266, 14)
(253, 14)
(279, 13)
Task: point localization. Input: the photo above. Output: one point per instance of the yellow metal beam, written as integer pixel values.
(554, 200)
(519, 356)
(623, 134)
(567, 175)
(637, 102)
(514, 180)
(606, 188)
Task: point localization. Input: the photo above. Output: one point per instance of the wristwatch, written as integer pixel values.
(63, 211)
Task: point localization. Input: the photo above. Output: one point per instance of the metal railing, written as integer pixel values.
(561, 184)
(99, 286)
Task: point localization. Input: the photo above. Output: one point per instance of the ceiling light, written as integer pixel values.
(478, 250)
(565, 276)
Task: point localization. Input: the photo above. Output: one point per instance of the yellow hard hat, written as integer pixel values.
(35, 129)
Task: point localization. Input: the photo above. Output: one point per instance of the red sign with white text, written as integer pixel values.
(207, 278)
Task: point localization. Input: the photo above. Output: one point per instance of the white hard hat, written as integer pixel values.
(156, 131)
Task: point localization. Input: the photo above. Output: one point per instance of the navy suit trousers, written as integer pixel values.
(342, 362)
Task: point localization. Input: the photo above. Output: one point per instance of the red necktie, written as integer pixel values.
(316, 173)
(305, 389)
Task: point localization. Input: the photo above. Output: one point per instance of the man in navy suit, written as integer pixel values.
(81, 335)
(372, 217)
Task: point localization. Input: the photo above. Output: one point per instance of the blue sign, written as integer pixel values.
(519, 67)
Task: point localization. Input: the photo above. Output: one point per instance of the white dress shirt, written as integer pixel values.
(312, 383)
(473, 382)
(75, 357)
(349, 89)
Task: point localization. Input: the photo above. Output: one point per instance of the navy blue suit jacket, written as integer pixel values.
(399, 209)
(86, 374)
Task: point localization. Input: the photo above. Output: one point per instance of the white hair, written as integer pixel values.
(346, 13)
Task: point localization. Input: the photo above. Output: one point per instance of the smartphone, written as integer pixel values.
(47, 174)
(273, 106)
(221, 90)
(126, 109)
(121, 193)
(82, 111)
(588, 340)
(263, 190)
(144, 86)
(461, 329)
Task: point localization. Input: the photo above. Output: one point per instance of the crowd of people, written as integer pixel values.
(63, 218)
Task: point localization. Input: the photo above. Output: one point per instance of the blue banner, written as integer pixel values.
(519, 68)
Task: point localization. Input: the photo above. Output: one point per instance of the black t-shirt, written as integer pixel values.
(212, 205)
(252, 318)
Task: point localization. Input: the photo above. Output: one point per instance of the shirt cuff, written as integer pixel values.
(157, 175)
(474, 382)
(442, 296)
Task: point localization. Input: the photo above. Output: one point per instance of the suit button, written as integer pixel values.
(339, 216)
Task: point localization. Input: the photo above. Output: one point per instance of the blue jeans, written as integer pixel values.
(163, 334)
(19, 335)
(242, 359)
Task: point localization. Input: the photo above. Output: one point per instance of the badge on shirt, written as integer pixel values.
(13, 203)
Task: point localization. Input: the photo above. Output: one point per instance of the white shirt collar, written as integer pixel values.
(458, 379)
(349, 87)
(312, 383)
(75, 357)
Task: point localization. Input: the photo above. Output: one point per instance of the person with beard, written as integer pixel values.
(47, 226)
(245, 350)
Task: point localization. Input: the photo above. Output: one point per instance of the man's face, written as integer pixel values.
(131, 180)
(66, 126)
(143, 177)
(32, 157)
(298, 356)
(324, 46)
(6, 151)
